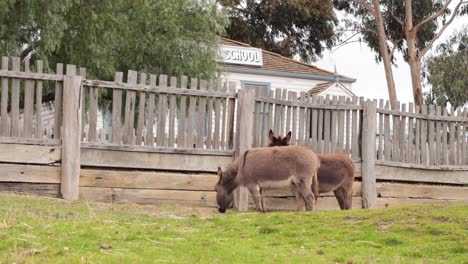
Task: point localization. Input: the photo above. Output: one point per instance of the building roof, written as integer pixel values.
(321, 87)
(278, 65)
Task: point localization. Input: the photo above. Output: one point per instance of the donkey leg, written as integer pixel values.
(340, 197)
(307, 195)
(299, 200)
(255, 192)
(347, 198)
(263, 202)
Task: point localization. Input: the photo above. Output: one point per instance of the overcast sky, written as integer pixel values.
(356, 60)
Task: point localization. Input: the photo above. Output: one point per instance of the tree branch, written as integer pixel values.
(395, 45)
(397, 19)
(444, 26)
(366, 5)
(434, 16)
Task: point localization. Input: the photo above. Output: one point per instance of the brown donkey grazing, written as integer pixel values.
(277, 167)
(336, 172)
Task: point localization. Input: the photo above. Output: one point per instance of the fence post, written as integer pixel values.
(71, 137)
(244, 136)
(369, 188)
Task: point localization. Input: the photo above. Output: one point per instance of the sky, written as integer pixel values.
(356, 60)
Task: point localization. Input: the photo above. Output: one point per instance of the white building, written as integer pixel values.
(262, 70)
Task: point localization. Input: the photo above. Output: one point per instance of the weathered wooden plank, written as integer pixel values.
(424, 155)
(39, 127)
(70, 175)
(181, 115)
(283, 112)
(445, 145)
(327, 126)
(289, 203)
(217, 117)
(28, 104)
(314, 122)
(410, 144)
(4, 125)
(302, 121)
(31, 141)
(320, 127)
(391, 202)
(284, 192)
(278, 110)
(431, 137)
(355, 137)
(458, 142)
(381, 132)
(438, 138)
(147, 180)
(369, 194)
(141, 111)
(264, 128)
(333, 126)
(308, 113)
(399, 190)
(157, 89)
(93, 109)
(223, 142)
(425, 116)
(149, 138)
(231, 113)
(29, 173)
(82, 73)
(148, 160)
(348, 128)
(303, 103)
(152, 149)
(257, 133)
(148, 196)
(130, 100)
(172, 113)
(401, 135)
(395, 136)
(209, 132)
(161, 115)
(29, 154)
(30, 75)
(191, 140)
(117, 110)
(202, 133)
(417, 140)
(341, 125)
(15, 99)
(288, 115)
(42, 189)
(423, 174)
(452, 140)
(271, 113)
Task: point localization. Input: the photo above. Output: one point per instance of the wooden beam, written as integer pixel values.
(29, 154)
(399, 190)
(420, 175)
(392, 202)
(154, 161)
(369, 193)
(29, 173)
(42, 189)
(71, 138)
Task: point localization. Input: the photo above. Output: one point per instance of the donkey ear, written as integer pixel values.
(220, 172)
(271, 135)
(287, 138)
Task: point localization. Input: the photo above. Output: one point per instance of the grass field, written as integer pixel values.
(43, 230)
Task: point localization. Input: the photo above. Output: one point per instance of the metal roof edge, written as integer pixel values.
(290, 75)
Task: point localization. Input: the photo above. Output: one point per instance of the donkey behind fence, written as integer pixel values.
(336, 172)
(257, 168)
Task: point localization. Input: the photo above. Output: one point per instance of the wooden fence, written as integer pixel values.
(168, 135)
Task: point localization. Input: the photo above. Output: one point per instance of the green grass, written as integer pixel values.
(43, 230)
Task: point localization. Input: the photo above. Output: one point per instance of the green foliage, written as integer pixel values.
(44, 230)
(289, 27)
(447, 72)
(174, 37)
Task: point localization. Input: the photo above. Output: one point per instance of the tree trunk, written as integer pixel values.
(385, 56)
(415, 68)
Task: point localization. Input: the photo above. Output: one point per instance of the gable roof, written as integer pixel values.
(321, 87)
(278, 65)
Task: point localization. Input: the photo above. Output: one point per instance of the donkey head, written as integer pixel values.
(224, 198)
(278, 140)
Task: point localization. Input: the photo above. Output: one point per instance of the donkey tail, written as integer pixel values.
(245, 157)
(315, 186)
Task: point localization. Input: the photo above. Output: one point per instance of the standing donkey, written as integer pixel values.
(336, 172)
(277, 167)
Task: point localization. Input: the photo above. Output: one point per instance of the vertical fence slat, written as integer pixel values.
(129, 117)
(308, 112)
(217, 117)
(381, 132)
(348, 128)
(463, 141)
(401, 136)
(93, 109)
(396, 132)
(82, 73)
(58, 103)
(314, 122)
(223, 101)
(369, 188)
(417, 139)
(334, 120)
(15, 99)
(202, 132)
(4, 131)
(141, 111)
(301, 121)
(288, 114)
(424, 137)
(149, 138)
(431, 137)
(444, 139)
(458, 141)
(191, 115)
(38, 130)
(181, 131)
(410, 144)
(231, 113)
(320, 120)
(172, 113)
(387, 134)
(161, 114)
(355, 138)
(257, 135)
(438, 139)
(283, 113)
(327, 126)
(28, 103)
(341, 116)
(117, 110)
